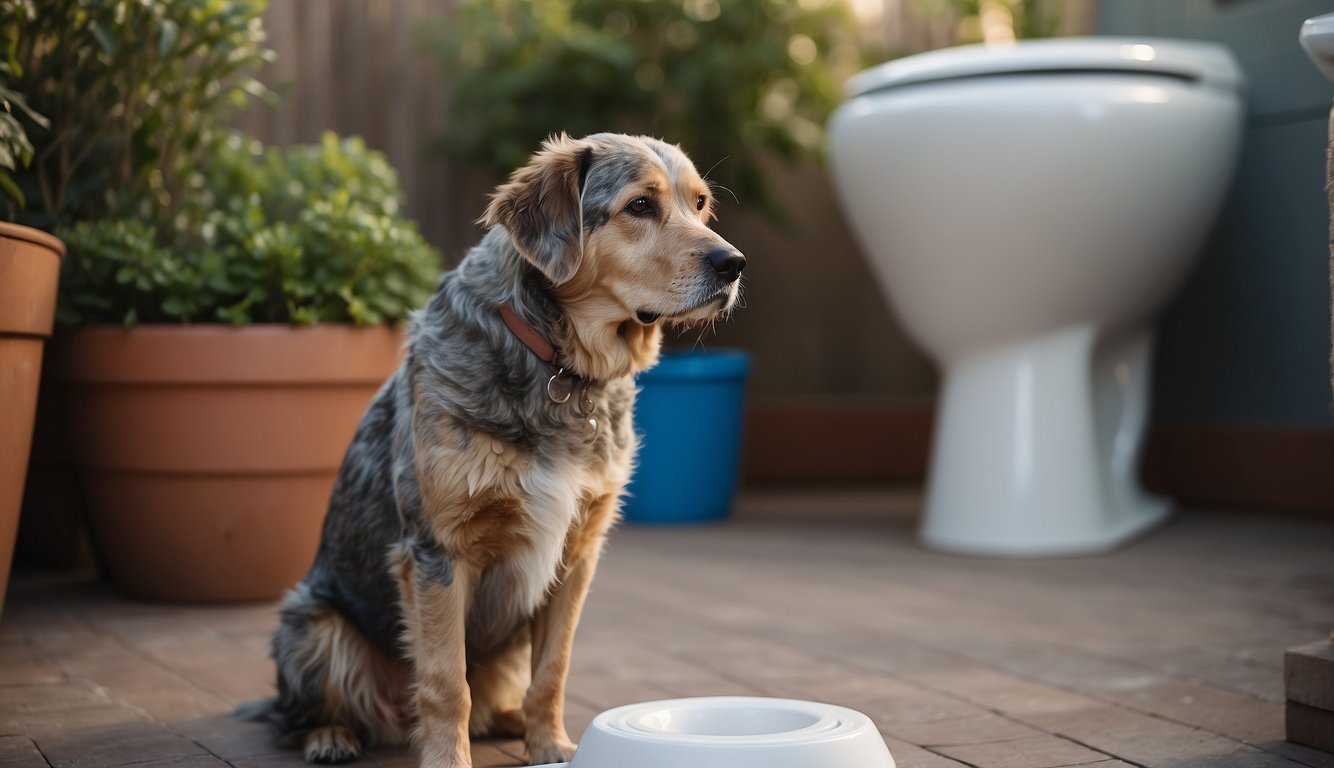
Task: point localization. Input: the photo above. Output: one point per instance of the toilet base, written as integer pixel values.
(957, 535)
(1037, 448)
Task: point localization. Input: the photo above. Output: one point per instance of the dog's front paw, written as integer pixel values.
(551, 751)
(332, 744)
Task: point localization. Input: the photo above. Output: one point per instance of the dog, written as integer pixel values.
(471, 508)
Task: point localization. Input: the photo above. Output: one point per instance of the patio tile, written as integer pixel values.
(1029, 752)
(1300, 753)
(485, 754)
(291, 758)
(59, 640)
(122, 671)
(236, 682)
(1139, 737)
(860, 688)
(1227, 713)
(1155, 656)
(491, 754)
(50, 721)
(229, 738)
(29, 699)
(115, 745)
(192, 761)
(20, 664)
(177, 703)
(395, 758)
(1243, 757)
(917, 708)
(908, 755)
(961, 732)
(20, 752)
(995, 688)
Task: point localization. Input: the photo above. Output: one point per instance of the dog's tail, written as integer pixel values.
(256, 711)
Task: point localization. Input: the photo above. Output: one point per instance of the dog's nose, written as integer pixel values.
(727, 263)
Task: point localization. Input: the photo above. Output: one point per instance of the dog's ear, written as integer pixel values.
(542, 208)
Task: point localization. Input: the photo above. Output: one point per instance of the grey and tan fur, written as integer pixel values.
(470, 510)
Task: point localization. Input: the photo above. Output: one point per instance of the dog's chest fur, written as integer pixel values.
(518, 512)
(504, 475)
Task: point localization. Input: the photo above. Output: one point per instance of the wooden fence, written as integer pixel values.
(359, 67)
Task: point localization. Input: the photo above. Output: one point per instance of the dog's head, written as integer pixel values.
(619, 225)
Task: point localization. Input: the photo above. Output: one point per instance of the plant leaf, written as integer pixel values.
(167, 40)
(12, 189)
(105, 38)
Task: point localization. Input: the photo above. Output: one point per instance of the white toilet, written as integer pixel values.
(1028, 209)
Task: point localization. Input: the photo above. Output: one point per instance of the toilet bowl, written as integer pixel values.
(1027, 210)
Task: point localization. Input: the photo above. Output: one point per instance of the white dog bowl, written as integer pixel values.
(732, 732)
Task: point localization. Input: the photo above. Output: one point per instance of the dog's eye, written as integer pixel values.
(640, 206)
(700, 202)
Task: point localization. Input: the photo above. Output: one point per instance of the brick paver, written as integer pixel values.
(1028, 752)
(20, 752)
(1168, 653)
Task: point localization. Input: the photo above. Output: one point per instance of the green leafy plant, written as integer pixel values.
(307, 234)
(135, 91)
(15, 148)
(735, 82)
(1026, 18)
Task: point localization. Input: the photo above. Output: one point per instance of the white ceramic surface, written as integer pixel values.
(1027, 225)
(1193, 60)
(732, 732)
(1317, 39)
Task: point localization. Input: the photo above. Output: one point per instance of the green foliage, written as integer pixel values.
(1030, 18)
(167, 217)
(135, 91)
(15, 148)
(305, 235)
(732, 81)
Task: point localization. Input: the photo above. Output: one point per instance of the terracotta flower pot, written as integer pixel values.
(29, 272)
(208, 452)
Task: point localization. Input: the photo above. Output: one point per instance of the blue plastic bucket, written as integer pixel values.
(688, 415)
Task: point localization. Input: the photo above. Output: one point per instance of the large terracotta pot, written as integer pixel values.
(29, 272)
(208, 452)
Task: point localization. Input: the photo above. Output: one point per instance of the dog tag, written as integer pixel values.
(559, 388)
(586, 408)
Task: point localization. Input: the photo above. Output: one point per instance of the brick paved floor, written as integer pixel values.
(1167, 653)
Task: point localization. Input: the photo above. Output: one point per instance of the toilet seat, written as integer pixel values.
(1202, 63)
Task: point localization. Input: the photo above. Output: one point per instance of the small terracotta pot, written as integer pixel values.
(29, 273)
(208, 452)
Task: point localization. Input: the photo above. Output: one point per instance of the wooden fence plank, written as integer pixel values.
(357, 67)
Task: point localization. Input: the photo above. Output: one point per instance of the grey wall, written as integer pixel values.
(1247, 339)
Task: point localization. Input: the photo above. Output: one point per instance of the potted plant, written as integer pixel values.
(227, 310)
(215, 382)
(29, 270)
